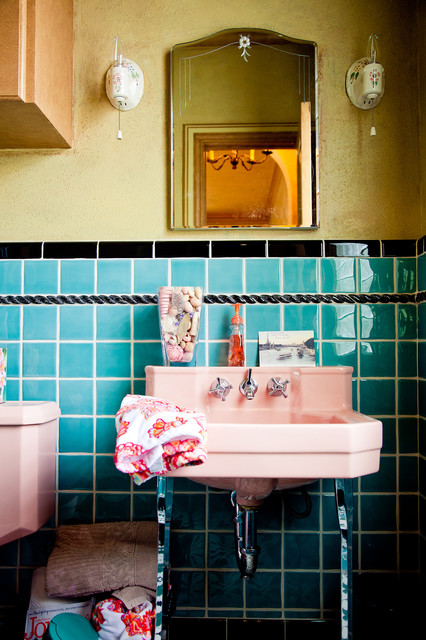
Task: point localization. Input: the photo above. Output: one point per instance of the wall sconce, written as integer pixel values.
(365, 80)
(124, 83)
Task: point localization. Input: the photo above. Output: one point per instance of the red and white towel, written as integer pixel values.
(155, 436)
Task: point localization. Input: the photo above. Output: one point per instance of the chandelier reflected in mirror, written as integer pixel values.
(247, 160)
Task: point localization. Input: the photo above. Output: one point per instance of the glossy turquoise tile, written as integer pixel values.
(408, 468)
(389, 435)
(146, 353)
(301, 317)
(40, 323)
(422, 398)
(270, 543)
(139, 387)
(408, 513)
(149, 274)
(262, 318)
(378, 513)
(114, 276)
(191, 272)
(109, 395)
(218, 354)
(408, 552)
(407, 397)
(252, 354)
(338, 275)
(407, 359)
(189, 511)
(76, 360)
(35, 548)
(41, 276)
(108, 478)
(75, 508)
(221, 550)
(144, 506)
(9, 554)
(377, 359)
(338, 321)
(408, 435)
(331, 551)
(224, 589)
(264, 590)
(76, 323)
(146, 322)
(301, 590)
(11, 277)
(225, 276)
(76, 435)
(377, 321)
(379, 550)
(407, 321)
(300, 275)
(263, 275)
(384, 480)
(39, 390)
(421, 355)
(10, 323)
(187, 550)
(113, 360)
(294, 506)
(111, 507)
(13, 358)
(113, 323)
(301, 550)
(421, 266)
(221, 512)
(13, 390)
(376, 275)
(39, 359)
(190, 588)
(75, 472)
(105, 435)
(406, 280)
(340, 353)
(77, 276)
(76, 397)
(377, 397)
(220, 317)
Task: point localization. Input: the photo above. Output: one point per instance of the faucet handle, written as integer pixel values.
(220, 388)
(278, 386)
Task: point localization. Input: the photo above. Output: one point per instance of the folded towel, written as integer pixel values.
(95, 558)
(113, 621)
(155, 436)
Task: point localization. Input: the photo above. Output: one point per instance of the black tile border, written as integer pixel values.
(352, 248)
(212, 249)
(70, 250)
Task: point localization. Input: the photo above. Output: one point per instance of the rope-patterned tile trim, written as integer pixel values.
(209, 298)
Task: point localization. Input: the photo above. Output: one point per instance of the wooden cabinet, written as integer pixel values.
(36, 71)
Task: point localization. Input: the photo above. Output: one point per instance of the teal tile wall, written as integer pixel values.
(422, 413)
(88, 357)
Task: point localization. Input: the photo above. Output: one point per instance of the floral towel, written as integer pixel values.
(155, 436)
(113, 621)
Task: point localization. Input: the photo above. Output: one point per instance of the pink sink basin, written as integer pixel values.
(273, 442)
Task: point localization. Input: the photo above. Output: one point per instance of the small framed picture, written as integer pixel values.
(289, 348)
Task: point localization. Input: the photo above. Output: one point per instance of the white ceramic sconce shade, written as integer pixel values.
(124, 84)
(365, 83)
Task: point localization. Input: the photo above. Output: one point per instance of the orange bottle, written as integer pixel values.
(236, 341)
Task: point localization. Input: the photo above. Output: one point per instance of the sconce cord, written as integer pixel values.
(373, 128)
(119, 134)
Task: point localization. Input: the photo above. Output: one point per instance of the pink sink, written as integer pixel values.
(273, 442)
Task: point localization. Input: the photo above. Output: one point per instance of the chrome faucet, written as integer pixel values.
(278, 386)
(220, 388)
(248, 387)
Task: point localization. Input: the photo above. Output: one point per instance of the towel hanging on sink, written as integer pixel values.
(155, 437)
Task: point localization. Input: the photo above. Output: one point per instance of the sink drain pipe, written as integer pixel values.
(245, 531)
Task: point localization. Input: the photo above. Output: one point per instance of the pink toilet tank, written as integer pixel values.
(27, 466)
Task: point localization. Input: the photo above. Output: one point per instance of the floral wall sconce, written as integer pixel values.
(124, 83)
(365, 80)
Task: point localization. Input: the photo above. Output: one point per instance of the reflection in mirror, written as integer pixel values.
(244, 132)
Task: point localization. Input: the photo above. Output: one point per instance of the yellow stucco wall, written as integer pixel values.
(104, 189)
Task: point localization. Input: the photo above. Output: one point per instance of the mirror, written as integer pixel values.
(244, 132)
